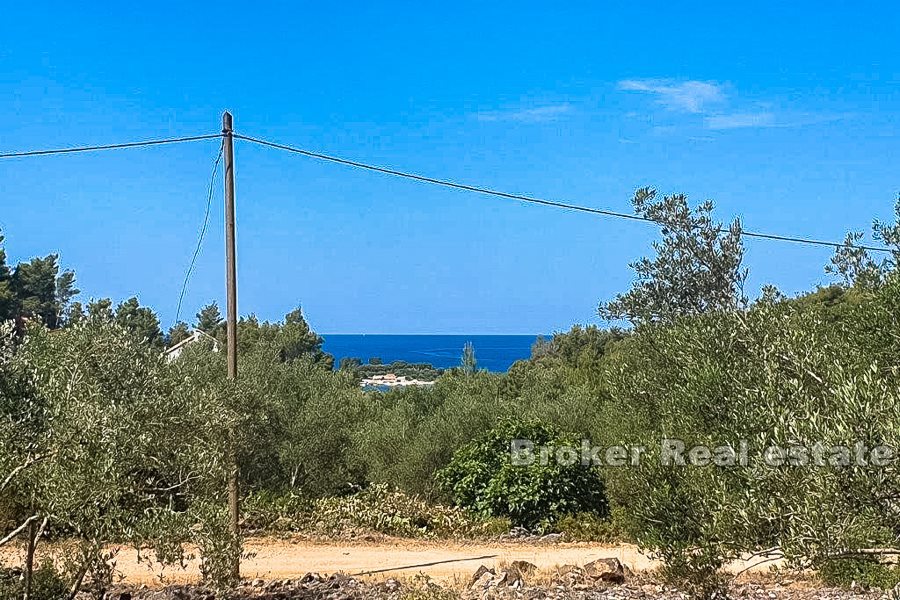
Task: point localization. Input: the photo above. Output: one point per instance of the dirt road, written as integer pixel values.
(442, 560)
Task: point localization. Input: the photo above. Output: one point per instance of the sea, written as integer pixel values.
(493, 352)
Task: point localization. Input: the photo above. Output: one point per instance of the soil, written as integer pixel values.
(445, 561)
(388, 569)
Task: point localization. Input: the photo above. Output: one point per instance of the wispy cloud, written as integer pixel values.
(684, 96)
(707, 102)
(741, 120)
(537, 114)
(770, 119)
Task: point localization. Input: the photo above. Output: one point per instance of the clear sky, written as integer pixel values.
(785, 114)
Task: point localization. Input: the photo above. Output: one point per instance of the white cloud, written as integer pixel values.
(538, 114)
(685, 96)
(769, 119)
(741, 120)
(714, 110)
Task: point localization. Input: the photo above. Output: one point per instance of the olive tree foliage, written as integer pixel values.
(293, 417)
(856, 267)
(413, 432)
(697, 268)
(782, 375)
(305, 421)
(17, 431)
(103, 443)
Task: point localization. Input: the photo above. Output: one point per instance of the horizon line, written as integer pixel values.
(453, 334)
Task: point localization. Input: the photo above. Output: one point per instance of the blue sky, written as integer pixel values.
(785, 114)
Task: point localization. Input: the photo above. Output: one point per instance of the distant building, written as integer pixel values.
(175, 351)
(390, 380)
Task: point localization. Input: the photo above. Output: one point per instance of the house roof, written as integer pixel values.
(196, 335)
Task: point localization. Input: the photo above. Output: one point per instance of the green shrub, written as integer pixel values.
(591, 527)
(697, 571)
(778, 375)
(415, 431)
(47, 583)
(377, 509)
(391, 512)
(265, 510)
(865, 572)
(125, 448)
(482, 477)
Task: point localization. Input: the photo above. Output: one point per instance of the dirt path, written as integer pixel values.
(284, 559)
(442, 560)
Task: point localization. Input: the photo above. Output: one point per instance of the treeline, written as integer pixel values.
(693, 360)
(400, 368)
(36, 288)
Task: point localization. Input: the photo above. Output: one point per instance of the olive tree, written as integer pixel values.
(782, 376)
(102, 442)
(697, 267)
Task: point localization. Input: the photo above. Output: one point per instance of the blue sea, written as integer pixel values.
(493, 352)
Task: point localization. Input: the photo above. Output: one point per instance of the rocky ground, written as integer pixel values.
(604, 579)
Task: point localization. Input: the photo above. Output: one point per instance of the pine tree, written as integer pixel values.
(141, 321)
(469, 362)
(178, 333)
(7, 298)
(34, 285)
(209, 319)
(100, 310)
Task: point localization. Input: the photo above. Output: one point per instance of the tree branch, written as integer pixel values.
(12, 535)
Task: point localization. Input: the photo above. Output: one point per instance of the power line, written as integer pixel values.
(424, 179)
(529, 199)
(443, 182)
(203, 229)
(178, 140)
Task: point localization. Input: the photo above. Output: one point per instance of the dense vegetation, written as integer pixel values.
(103, 440)
(400, 368)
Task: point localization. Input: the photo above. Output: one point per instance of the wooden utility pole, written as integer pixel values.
(234, 507)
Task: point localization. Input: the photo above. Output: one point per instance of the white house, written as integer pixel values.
(175, 351)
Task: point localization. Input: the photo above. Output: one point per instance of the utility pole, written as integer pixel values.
(234, 507)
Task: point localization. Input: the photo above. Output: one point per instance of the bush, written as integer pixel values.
(266, 510)
(865, 572)
(591, 527)
(415, 431)
(296, 419)
(377, 509)
(391, 512)
(780, 374)
(47, 583)
(482, 477)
